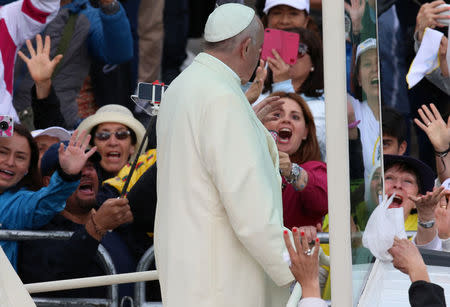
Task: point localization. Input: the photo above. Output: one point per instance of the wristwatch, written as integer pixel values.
(295, 173)
(427, 224)
(111, 8)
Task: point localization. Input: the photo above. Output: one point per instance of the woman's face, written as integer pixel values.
(290, 126)
(301, 69)
(15, 155)
(284, 17)
(368, 73)
(116, 149)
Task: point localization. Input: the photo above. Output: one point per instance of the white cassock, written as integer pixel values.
(219, 219)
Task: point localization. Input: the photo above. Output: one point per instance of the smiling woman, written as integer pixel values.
(22, 204)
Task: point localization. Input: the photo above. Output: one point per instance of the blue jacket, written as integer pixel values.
(109, 39)
(23, 209)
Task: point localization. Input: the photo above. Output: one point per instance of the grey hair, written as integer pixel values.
(229, 44)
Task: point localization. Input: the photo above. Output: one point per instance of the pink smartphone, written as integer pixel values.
(285, 43)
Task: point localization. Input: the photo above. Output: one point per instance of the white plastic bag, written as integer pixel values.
(383, 225)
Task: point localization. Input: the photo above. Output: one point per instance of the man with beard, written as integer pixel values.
(44, 260)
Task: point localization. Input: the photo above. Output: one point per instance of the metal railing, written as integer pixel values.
(139, 289)
(112, 299)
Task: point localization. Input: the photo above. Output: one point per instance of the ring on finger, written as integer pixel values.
(428, 124)
(308, 252)
(444, 206)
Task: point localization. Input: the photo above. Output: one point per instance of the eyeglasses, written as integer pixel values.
(105, 135)
(302, 50)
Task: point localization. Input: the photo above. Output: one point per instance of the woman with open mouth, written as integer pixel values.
(365, 104)
(305, 78)
(117, 135)
(305, 200)
(23, 203)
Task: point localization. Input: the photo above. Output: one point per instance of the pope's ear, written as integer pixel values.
(245, 46)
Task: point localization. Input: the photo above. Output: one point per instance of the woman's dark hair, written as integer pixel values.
(309, 149)
(313, 85)
(32, 180)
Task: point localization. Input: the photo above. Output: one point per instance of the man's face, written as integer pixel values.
(392, 147)
(43, 143)
(403, 184)
(84, 198)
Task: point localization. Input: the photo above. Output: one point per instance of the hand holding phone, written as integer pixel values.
(285, 43)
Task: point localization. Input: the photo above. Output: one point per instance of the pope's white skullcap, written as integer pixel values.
(227, 21)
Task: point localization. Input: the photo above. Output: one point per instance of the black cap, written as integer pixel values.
(50, 159)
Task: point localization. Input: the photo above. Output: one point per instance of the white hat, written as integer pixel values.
(226, 21)
(297, 4)
(114, 113)
(370, 43)
(57, 132)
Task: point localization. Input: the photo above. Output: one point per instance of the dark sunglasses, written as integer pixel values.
(105, 135)
(302, 50)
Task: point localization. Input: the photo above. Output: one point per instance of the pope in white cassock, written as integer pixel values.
(219, 220)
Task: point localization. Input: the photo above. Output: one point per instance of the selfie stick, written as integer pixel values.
(155, 110)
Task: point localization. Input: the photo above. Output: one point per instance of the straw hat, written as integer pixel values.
(114, 113)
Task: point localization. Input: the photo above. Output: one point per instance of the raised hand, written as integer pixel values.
(257, 86)
(39, 64)
(73, 158)
(442, 215)
(280, 69)
(304, 262)
(356, 11)
(266, 107)
(428, 17)
(435, 127)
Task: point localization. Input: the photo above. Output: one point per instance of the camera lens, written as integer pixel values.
(4, 125)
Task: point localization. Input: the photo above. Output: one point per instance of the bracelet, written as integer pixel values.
(442, 154)
(295, 173)
(101, 232)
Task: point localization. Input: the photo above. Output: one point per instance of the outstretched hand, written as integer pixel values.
(266, 107)
(39, 64)
(73, 158)
(435, 127)
(442, 215)
(356, 11)
(428, 16)
(257, 86)
(408, 260)
(304, 262)
(427, 203)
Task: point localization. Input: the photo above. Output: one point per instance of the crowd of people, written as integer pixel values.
(230, 182)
